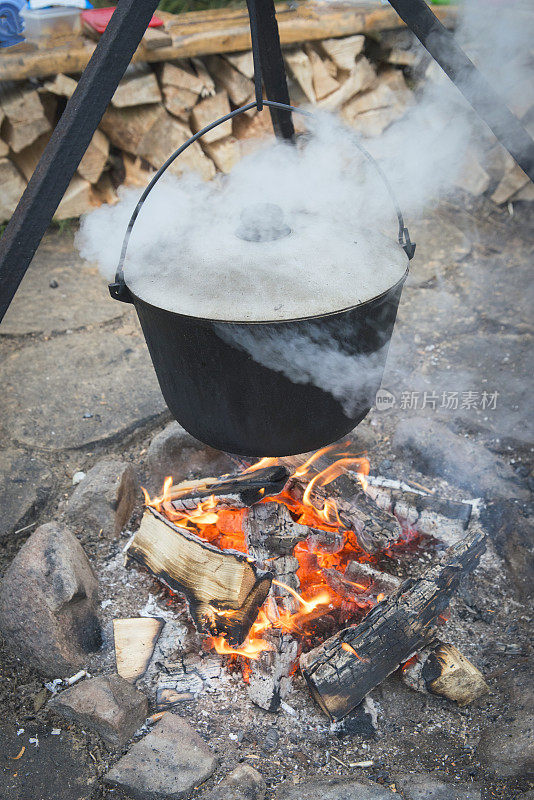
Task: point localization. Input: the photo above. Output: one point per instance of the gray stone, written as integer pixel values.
(507, 748)
(108, 705)
(48, 602)
(243, 783)
(25, 484)
(104, 500)
(60, 292)
(440, 244)
(426, 787)
(335, 789)
(59, 768)
(436, 450)
(49, 386)
(176, 453)
(168, 763)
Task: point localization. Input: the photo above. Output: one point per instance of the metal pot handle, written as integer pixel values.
(119, 290)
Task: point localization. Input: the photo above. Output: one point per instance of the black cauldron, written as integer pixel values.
(227, 399)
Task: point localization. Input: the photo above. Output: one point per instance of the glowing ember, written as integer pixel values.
(222, 526)
(350, 649)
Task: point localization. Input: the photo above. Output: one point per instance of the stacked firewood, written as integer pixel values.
(157, 107)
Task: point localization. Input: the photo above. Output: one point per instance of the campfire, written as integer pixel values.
(289, 564)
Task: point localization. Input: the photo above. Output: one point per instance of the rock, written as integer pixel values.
(243, 783)
(105, 374)
(104, 500)
(506, 747)
(438, 451)
(25, 484)
(80, 297)
(108, 705)
(335, 789)
(48, 602)
(58, 769)
(168, 763)
(440, 244)
(175, 452)
(426, 787)
(509, 524)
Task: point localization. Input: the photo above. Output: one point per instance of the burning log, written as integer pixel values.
(238, 491)
(212, 580)
(375, 529)
(361, 581)
(271, 535)
(342, 670)
(423, 512)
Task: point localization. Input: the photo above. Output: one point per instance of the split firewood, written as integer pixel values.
(95, 157)
(28, 158)
(376, 581)
(343, 52)
(209, 110)
(127, 127)
(77, 200)
(207, 84)
(167, 135)
(239, 490)
(361, 78)
(13, 185)
(224, 153)
(441, 669)
(61, 85)
(138, 87)
(243, 62)
(179, 102)
(240, 90)
(345, 668)
(135, 639)
(323, 82)
(271, 535)
(212, 580)
(25, 119)
(4, 147)
(181, 76)
(301, 71)
(136, 171)
(104, 191)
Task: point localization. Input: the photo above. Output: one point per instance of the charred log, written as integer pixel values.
(212, 580)
(342, 670)
(237, 490)
(271, 535)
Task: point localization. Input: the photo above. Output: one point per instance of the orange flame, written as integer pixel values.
(222, 526)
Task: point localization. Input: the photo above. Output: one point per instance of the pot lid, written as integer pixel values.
(304, 266)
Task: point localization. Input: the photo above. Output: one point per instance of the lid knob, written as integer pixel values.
(262, 222)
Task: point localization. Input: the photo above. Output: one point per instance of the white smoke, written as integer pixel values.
(183, 248)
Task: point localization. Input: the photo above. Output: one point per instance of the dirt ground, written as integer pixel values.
(78, 385)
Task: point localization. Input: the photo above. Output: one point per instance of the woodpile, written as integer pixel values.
(157, 106)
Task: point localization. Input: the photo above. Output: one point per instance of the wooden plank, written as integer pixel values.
(218, 31)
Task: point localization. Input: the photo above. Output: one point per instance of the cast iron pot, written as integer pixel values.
(225, 398)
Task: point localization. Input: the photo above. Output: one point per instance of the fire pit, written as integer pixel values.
(284, 565)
